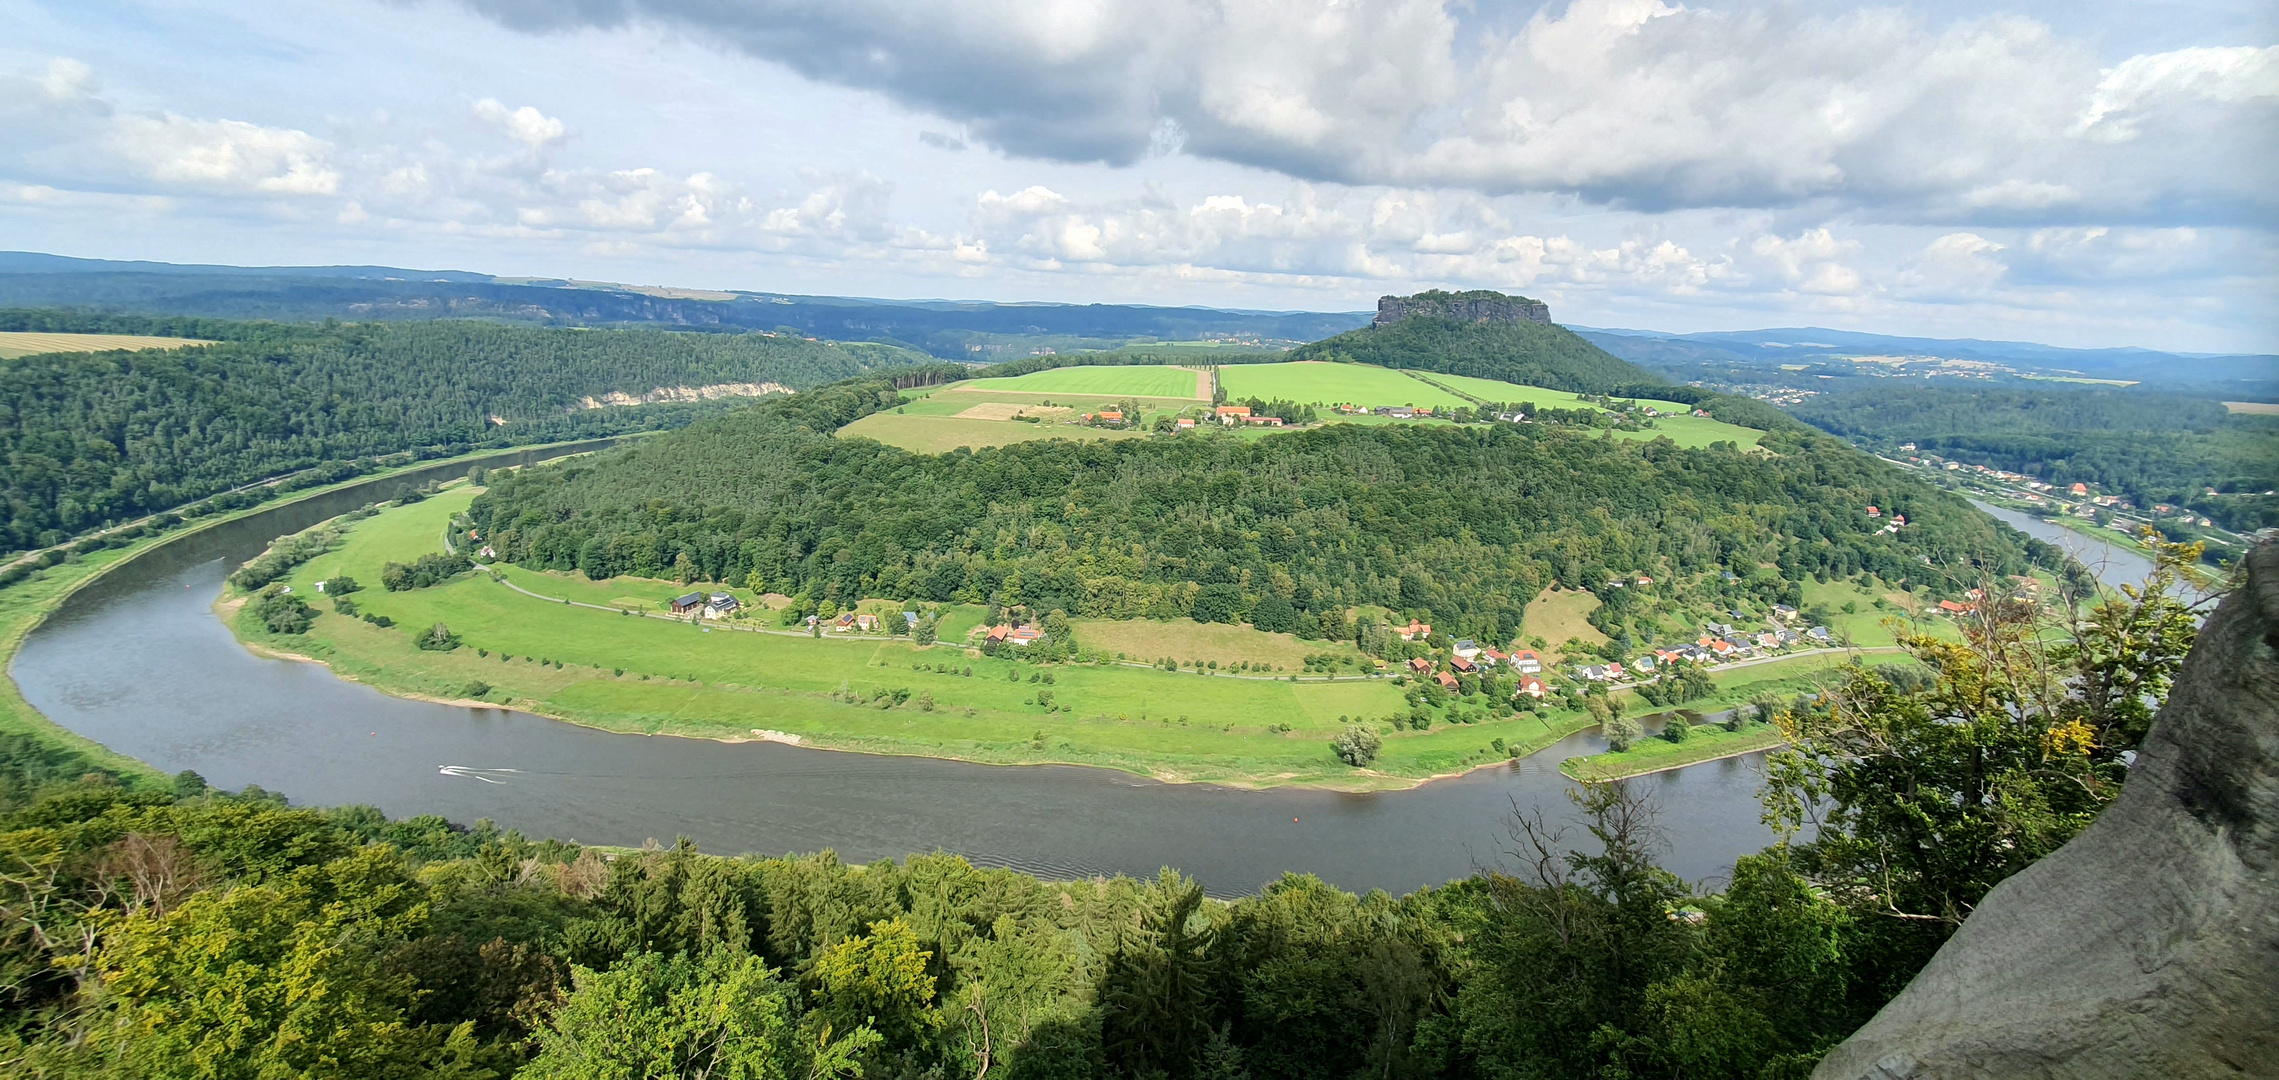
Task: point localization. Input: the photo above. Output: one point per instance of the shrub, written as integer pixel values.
(477, 688)
(1677, 730)
(438, 638)
(433, 568)
(284, 613)
(1356, 745)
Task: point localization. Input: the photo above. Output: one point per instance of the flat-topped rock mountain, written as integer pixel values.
(1478, 306)
(2149, 945)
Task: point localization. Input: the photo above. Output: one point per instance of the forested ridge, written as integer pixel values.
(155, 930)
(89, 438)
(2152, 447)
(1458, 524)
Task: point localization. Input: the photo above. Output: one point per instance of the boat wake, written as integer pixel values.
(488, 776)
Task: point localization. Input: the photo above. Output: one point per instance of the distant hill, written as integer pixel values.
(1518, 350)
(962, 330)
(2223, 372)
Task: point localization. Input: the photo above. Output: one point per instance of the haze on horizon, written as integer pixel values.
(2078, 174)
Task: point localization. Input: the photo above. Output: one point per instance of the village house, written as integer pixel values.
(1186, 423)
(1397, 412)
(1447, 681)
(1643, 665)
(1873, 512)
(1526, 661)
(1413, 630)
(1768, 641)
(1952, 608)
(1419, 664)
(997, 634)
(1614, 671)
(844, 623)
(866, 623)
(1463, 664)
(688, 604)
(1530, 686)
(722, 604)
(1593, 672)
(1263, 421)
(1492, 658)
(1817, 633)
(1231, 415)
(1466, 648)
(1783, 612)
(1025, 635)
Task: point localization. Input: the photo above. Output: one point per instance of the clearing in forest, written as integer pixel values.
(1557, 615)
(15, 343)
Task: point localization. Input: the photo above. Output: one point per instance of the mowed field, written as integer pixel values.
(1322, 383)
(15, 343)
(1149, 380)
(980, 412)
(1316, 382)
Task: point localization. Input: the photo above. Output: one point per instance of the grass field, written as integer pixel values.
(629, 673)
(2253, 408)
(1321, 383)
(15, 343)
(1186, 639)
(1864, 625)
(1317, 382)
(1557, 616)
(938, 434)
(1151, 380)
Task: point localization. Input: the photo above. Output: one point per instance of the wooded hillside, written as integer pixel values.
(1456, 524)
(94, 437)
(1533, 354)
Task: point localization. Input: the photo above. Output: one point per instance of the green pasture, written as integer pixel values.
(1147, 380)
(712, 680)
(1319, 382)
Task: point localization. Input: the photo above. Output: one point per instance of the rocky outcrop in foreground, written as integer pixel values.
(1475, 307)
(2149, 945)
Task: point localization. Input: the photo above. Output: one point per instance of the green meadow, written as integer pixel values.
(625, 671)
(1149, 380)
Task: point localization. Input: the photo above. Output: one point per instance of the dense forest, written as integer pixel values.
(1460, 525)
(91, 438)
(153, 930)
(1533, 354)
(2152, 447)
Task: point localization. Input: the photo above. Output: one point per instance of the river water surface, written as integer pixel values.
(139, 662)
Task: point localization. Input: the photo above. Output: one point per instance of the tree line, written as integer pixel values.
(156, 929)
(92, 438)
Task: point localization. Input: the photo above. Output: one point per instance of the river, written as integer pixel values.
(139, 662)
(2112, 563)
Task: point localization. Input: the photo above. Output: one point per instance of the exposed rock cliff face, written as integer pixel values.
(2149, 945)
(1485, 307)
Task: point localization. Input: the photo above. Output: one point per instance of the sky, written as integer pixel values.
(2077, 173)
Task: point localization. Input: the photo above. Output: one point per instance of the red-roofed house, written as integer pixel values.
(1461, 664)
(1419, 664)
(1530, 686)
(1413, 630)
(1447, 681)
(1525, 660)
(997, 633)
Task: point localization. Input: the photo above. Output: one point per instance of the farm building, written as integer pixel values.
(687, 604)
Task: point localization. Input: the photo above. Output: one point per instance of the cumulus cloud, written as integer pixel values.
(1631, 102)
(525, 125)
(57, 126)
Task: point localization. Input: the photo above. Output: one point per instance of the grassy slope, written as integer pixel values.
(1556, 616)
(939, 434)
(1186, 639)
